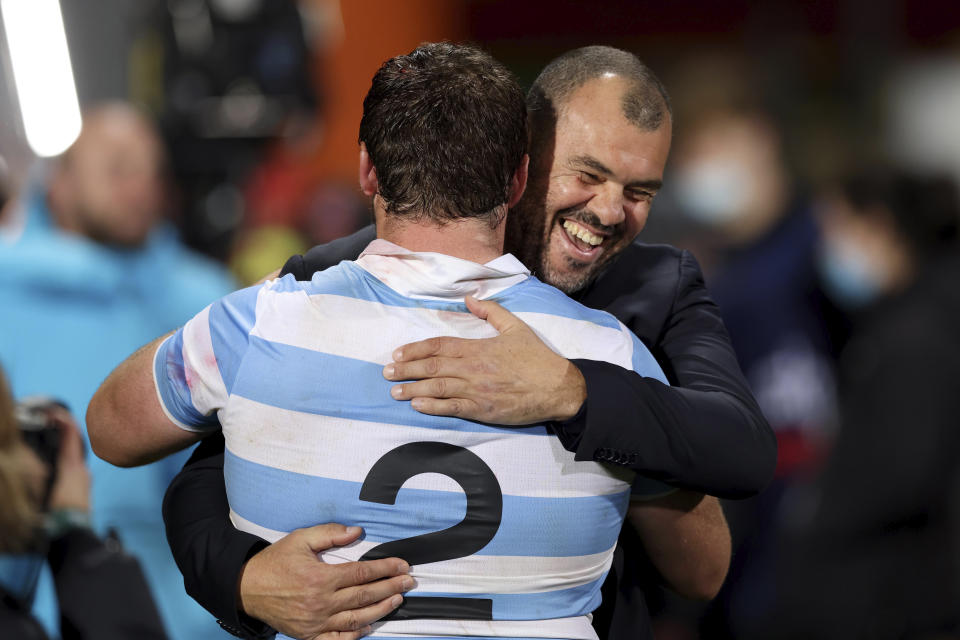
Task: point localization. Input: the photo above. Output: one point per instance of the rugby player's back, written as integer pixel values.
(507, 536)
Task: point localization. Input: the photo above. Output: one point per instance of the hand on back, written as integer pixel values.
(287, 586)
(512, 379)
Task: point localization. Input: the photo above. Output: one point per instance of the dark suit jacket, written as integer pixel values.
(705, 433)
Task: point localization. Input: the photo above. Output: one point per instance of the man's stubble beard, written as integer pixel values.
(577, 278)
(528, 238)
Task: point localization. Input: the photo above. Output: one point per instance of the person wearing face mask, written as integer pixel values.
(878, 555)
(759, 239)
(760, 235)
(879, 228)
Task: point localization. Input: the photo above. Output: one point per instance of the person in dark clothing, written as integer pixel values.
(879, 556)
(705, 434)
(44, 517)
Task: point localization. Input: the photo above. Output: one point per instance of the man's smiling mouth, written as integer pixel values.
(581, 237)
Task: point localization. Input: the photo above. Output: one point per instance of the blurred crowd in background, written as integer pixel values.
(814, 175)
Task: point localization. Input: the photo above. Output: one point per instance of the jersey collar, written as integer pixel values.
(436, 276)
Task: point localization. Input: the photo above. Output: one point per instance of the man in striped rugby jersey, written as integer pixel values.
(293, 371)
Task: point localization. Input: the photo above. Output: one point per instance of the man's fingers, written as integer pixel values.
(453, 407)
(370, 593)
(433, 388)
(356, 619)
(350, 574)
(501, 319)
(430, 368)
(444, 346)
(324, 536)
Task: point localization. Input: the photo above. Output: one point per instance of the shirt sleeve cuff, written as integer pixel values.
(570, 431)
(251, 627)
(169, 380)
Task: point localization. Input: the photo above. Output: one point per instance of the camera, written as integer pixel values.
(40, 432)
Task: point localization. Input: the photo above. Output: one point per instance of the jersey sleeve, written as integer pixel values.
(194, 368)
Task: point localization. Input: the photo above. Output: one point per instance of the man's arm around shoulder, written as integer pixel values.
(705, 433)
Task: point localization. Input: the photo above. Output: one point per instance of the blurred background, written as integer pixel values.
(816, 153)
(258, 101)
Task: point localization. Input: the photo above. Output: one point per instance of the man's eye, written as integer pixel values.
(589, 178)
(640, 196)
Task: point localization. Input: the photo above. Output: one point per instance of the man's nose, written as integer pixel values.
(607, 205)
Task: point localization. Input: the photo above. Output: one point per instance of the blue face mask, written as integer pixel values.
(19, 573)
(713, 192)
(849, 278)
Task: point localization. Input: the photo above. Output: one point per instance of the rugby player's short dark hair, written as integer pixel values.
(445, 127)
(645, 101)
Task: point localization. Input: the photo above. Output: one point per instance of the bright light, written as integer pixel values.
(43, 75)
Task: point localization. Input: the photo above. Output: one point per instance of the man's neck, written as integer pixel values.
(468, 239)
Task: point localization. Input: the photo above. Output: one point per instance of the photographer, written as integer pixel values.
(44, 517)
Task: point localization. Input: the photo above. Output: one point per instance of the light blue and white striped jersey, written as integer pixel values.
(507, 536)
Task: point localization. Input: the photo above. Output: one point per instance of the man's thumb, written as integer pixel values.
(492, 312)
(323, 536)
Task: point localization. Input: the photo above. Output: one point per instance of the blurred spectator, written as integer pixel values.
(761, 236)
(88, 272)
(879, 556)
(758, 244)
(44, 516)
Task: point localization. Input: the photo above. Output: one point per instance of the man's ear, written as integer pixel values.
(519, 182)
(367, 173)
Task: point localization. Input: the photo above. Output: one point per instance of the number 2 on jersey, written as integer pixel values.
(479, 525)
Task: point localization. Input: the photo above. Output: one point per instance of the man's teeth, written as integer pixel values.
(579, 232)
